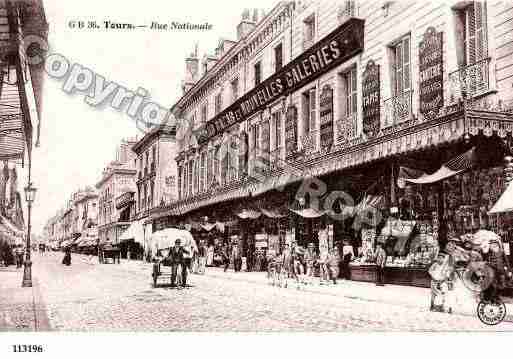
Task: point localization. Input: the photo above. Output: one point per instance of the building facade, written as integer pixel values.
(323, 121)
(117, 179)
(156, 170)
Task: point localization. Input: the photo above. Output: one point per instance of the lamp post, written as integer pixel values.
(30, 194)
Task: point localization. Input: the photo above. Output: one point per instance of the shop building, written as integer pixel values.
(156, 182)
(350, 122)
(118, 178)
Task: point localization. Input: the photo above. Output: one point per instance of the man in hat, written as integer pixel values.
(176, 258)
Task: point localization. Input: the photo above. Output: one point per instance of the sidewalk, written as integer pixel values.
(21, 309)
(413, 297)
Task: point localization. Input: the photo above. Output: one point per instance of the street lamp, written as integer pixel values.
(30, 195)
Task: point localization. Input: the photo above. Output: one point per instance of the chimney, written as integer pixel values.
(208, 62)
(191, 70)
(246, 25)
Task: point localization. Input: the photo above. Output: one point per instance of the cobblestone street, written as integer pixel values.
(90, 297)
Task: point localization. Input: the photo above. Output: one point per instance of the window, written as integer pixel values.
(401, 66)
(472, 32)
(309, 29)
(210, 167)
(278, 58)
(152, 195)
(235, 90)
(180, 172)
(204, 112)
(347, 9)
(218, 103)
(186, 179)
(191, 176)
(309, 106)
(277, 129)
(202, 171)
(154, 157)
(258, 73)
(350, 94)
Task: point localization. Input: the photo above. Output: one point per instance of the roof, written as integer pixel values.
(155, 132)
(228, 55)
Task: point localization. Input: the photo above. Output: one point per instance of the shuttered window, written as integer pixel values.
(474, 33)
(402, 67)
(351, 94)
(202, 171)
(310, 105)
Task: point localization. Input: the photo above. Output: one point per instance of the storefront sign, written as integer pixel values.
(371, 99)
(124, 200)
(339, 46)
(431, 73)
(326, 115)
(291, 130)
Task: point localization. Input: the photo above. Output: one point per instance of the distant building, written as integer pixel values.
(117, 179)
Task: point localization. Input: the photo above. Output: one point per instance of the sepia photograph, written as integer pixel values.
(305, 166)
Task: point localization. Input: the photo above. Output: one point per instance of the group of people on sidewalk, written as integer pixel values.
(302, 265)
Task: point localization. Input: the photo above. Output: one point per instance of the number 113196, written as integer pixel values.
(27, 348)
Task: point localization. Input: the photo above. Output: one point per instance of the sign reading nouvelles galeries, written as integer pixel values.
(337, 47)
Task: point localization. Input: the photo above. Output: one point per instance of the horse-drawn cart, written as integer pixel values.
(108, 252)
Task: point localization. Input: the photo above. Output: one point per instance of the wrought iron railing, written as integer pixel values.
(277, 158)
(469, 81)
(398, 108)
(308, 144)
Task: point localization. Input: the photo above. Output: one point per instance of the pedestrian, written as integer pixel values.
(310, 259)
(347, 255)
(498, 262)
(67, 256)
(225, 253)
(236, 258)
(286, 265)
(298, 270)
(381, 259)
(191, 249)
(323, 266)
(19, 256)
(202, 257)
(176, 258)
(333, 264)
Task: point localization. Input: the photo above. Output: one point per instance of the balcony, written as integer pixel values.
(397, 109)
(308, 142)
(347, 128)
(277, 158)
(469, 81)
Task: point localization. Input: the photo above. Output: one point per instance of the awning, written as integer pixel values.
(248, 213)
(135, 231)
(273, 213)
(308, 212)
(457, 165)
(505, 201)
(10, 226)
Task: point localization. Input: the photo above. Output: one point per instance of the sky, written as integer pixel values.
(78, 140)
